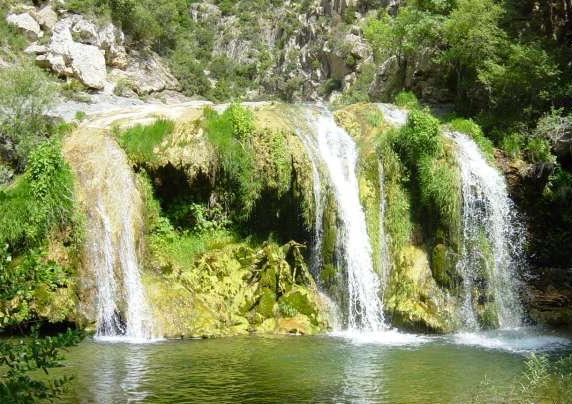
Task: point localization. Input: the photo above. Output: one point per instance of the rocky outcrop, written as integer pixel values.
(47, 17)
(550, 297)
(386, 80)
(27, 24)
(80, 48)
(145, 74)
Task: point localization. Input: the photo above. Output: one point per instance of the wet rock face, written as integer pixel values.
(550, 296)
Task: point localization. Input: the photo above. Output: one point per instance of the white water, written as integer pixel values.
(393, 114)
(114, 219)
(338, 152)
(488, 211)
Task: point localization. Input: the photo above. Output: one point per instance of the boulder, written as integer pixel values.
(67, 57)
(47, 17)
(27, 24)
(88, 64)
(111, 39)
(387, 80)
(358, 46)
(84, 31)
(202, 12)
(61, 36)
(147, 74)
(414, 299)
(299, 324)
(35, 49)
(54, 62)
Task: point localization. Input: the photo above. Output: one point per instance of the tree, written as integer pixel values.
(25, 96)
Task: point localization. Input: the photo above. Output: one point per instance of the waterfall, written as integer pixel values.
(338, 153)
(488, 217)
(114, 223)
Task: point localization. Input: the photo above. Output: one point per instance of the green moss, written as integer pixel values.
(442, 265)
(266, 303)
(414, 300)
(300, 300)
(398, 220)
(406, 99)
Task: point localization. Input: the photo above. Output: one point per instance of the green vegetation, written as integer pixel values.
(20, 357)
(25, 96)
(231, 134)
(140, 140)
(471, 128)
(544, 379)
(11, 41)
(398, 218)
(406, 99)
(38, 210)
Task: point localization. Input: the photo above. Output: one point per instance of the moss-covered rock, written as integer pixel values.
(414, 300)
(442, 265)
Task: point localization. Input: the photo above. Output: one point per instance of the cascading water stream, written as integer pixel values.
(488, 223)
(338, 152)
(114, 218)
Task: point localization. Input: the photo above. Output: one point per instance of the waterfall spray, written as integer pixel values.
(488, 217)
(339, 154)
(114, 219)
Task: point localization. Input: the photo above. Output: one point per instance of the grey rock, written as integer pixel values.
(27, 24)
(35, 49)
(88, 64)
(47, 17)
(387, 80)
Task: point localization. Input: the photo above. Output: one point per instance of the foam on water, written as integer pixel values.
(517, 340)
(122, 339)
(389, 337)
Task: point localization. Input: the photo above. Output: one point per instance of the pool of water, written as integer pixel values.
(388, 367)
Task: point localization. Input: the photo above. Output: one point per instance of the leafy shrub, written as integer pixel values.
(421, 135)
(27, 282)
(406, 99)
(25, 95)
(140, 141)
(512, 144)
(40, 202)
(538, 151)
(439, 182)
(230, 133)
(23, 356)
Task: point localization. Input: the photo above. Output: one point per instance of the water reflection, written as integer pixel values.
(287, 369)
(363, 378)
(113, 373)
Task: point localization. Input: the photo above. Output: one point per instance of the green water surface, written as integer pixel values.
(288, 369)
